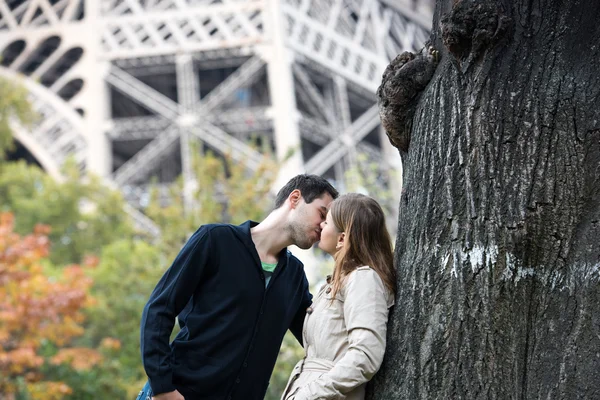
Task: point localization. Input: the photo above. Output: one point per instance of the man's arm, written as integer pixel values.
(298, 321)
(169, 297)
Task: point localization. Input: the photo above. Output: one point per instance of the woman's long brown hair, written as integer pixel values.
(366, 241)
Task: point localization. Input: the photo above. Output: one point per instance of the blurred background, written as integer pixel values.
(126, 124)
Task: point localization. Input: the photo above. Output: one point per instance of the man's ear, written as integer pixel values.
(294, 198)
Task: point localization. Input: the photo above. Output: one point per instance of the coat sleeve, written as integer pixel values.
(298, 321)
(169, 297)
(365, 314)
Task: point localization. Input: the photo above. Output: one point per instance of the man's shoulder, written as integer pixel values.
(294, 261)
(220, 228)
(293, 258)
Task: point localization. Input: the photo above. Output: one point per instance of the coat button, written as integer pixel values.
(328, 290)
(309, 310)
(329, 278)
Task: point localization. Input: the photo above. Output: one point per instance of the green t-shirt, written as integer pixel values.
(268, 271)
(268, 267)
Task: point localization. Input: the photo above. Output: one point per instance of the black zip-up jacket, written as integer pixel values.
(231, 325)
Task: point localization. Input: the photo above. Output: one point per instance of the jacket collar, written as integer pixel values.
(243, 232)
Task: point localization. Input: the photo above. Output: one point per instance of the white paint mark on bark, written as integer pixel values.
(487, 256)
(510, 263)
(478, 257)
(523, 273)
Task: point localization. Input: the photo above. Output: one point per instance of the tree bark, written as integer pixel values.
(498, 247)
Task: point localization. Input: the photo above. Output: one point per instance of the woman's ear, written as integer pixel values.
(340, 241)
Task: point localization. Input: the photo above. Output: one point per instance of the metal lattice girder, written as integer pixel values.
(188, 92)
(135, 128)
(188, 95)
(341, 99)
(315, 40)
(345, 36)
(314, 131)
(336, 149)
(407, 8)
(218, 139)
(57, 135)
(245, 75)
(37, 13)
(129, 30)
(243, 120)
(48, 63)
(142, 93)
(167, 108)
(315, 101)
(141, 162)
(403, 35)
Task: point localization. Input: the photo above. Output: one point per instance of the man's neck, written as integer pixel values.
(270, 237)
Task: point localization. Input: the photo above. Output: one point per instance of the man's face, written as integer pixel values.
(306, 224)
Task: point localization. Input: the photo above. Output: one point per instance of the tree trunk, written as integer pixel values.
(498, 248)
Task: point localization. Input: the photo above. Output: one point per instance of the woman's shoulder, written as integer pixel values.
(365, 277)
(362, 272)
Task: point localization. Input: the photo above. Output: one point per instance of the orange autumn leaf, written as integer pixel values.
(110, 343)
(37, 308)
(78, 358)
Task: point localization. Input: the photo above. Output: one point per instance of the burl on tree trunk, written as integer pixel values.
(498, 248)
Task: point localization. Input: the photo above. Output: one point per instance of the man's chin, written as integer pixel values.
(305, 246)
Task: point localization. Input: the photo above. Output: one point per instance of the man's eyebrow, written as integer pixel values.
(324, 209)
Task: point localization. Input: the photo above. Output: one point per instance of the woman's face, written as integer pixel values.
(330, 236)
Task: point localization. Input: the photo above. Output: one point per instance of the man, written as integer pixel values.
(236, 290)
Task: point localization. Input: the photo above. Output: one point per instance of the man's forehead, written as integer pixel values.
(323, 201)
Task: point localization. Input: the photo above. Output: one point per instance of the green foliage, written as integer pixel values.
(14, 107)
(124, 278)
(126, 274)
(84, 214)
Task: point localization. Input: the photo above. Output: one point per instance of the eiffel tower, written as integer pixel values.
(124, 86)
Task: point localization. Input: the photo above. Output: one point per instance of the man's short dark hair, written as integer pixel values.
(311, 187)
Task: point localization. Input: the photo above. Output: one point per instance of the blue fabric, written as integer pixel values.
(232, 325)
(145, 393)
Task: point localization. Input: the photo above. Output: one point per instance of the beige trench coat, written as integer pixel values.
(344, 340)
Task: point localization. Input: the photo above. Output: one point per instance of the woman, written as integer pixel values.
(345, 328)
